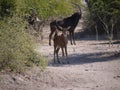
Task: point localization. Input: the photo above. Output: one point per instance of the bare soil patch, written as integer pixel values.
(89, 66)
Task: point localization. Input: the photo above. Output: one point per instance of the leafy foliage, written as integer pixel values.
(47, 8)
(44, 8)
(16, 49)
(7, 7)
(105, 12)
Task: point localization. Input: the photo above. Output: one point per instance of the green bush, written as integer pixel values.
(16, 48)
(44, 8)
(47, 8)
(7, 7)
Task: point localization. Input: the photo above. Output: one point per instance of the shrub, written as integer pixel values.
(16, 48)
(7, 7)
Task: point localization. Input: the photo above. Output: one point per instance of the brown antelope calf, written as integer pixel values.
(60, 41)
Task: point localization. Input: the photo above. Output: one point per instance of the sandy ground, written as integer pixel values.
(87, 67)
(90, 67)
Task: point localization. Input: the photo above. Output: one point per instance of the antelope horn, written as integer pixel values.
(77, 6)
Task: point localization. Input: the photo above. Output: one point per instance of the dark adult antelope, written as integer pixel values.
(60, 41)
(71, 22)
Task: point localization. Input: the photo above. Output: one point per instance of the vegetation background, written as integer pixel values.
(16, 45)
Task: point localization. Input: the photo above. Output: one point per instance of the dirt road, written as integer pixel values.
(87, 67)
(90, 67)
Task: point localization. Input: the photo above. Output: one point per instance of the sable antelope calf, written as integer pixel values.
(60, 41)
(71, 22)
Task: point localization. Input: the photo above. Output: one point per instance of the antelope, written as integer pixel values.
(70, 21)
(60, 41)
(36, 23)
